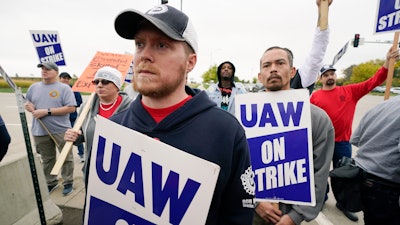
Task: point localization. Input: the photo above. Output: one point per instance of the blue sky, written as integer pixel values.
(238, 31)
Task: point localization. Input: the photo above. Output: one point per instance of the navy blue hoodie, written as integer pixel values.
(200, 128)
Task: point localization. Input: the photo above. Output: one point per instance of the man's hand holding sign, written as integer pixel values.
(291, 144)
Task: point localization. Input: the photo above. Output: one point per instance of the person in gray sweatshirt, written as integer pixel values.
(378, 139)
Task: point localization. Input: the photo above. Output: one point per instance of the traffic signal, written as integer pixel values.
(356, 40)
(164, 1)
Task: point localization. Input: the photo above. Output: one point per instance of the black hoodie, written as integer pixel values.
(219, 73)
(203, 130)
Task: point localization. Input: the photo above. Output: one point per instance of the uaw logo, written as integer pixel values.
(54, 94)
(157, 10)
(248, 181)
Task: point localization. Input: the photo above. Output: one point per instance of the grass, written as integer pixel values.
(10, 90)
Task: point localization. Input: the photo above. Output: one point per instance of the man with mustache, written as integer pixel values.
(169, 111)
(339, 102)
(276, 70)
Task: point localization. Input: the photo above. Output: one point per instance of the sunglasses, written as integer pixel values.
(103, 82)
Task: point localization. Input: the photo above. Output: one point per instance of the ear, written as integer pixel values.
(293, 72)
(192, 60)
(259, 77)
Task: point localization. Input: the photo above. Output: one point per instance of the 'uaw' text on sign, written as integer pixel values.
(48, 46)
(135, 179)
(278, 130)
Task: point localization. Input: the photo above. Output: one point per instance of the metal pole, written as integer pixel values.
(31, 159)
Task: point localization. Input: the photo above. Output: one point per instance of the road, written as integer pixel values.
(11, 117)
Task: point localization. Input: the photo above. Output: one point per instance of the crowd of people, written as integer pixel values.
(161, 105)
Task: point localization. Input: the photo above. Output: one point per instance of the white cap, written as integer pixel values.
(111, 74)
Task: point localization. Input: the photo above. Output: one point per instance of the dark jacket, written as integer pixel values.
(78, 98)
(203, 130)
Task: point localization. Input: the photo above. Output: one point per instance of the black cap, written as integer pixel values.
(326, 68)
(172, 22)
(65, 75)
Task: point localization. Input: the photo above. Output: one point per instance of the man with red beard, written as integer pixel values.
(167, 110)
(339, 102)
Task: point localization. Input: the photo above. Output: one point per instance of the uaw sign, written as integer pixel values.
(340, 54)
(135, 179)
(278, 130)
(388, 16)
(48, 46)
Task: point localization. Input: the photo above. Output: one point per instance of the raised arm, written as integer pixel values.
(309, 71)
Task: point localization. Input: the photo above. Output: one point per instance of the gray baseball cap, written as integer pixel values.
(172, 22)
(48, 65)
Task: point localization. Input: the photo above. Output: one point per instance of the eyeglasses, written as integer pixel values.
(103, 82)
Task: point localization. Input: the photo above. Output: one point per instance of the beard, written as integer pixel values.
(330, 82)
(276, 84)
(226, 78)
(274, 87)
(155, 87)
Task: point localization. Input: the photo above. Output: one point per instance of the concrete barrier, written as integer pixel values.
(18, 200)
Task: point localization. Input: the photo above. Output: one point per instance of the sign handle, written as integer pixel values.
(389, 78)
(68, 145)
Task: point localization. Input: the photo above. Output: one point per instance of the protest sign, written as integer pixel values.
(121, 62)
(135, 179)
(278, 130)
(340, 54)
(84, 84)
(388, 16)
(48, 46)
(388, 20)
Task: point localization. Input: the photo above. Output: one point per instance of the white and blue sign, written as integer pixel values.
(135, 179)
(388, 16)
(278, 130)
(48, 46)
(340, 54)
(129, 74)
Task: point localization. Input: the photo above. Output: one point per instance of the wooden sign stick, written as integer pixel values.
(68, 145)
(389, 78)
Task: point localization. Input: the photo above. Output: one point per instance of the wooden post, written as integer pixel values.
(389, 78)
(68, 145)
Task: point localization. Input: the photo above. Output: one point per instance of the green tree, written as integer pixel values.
(364, 71)
(210, 74)
(347, 73)
(396, 75)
